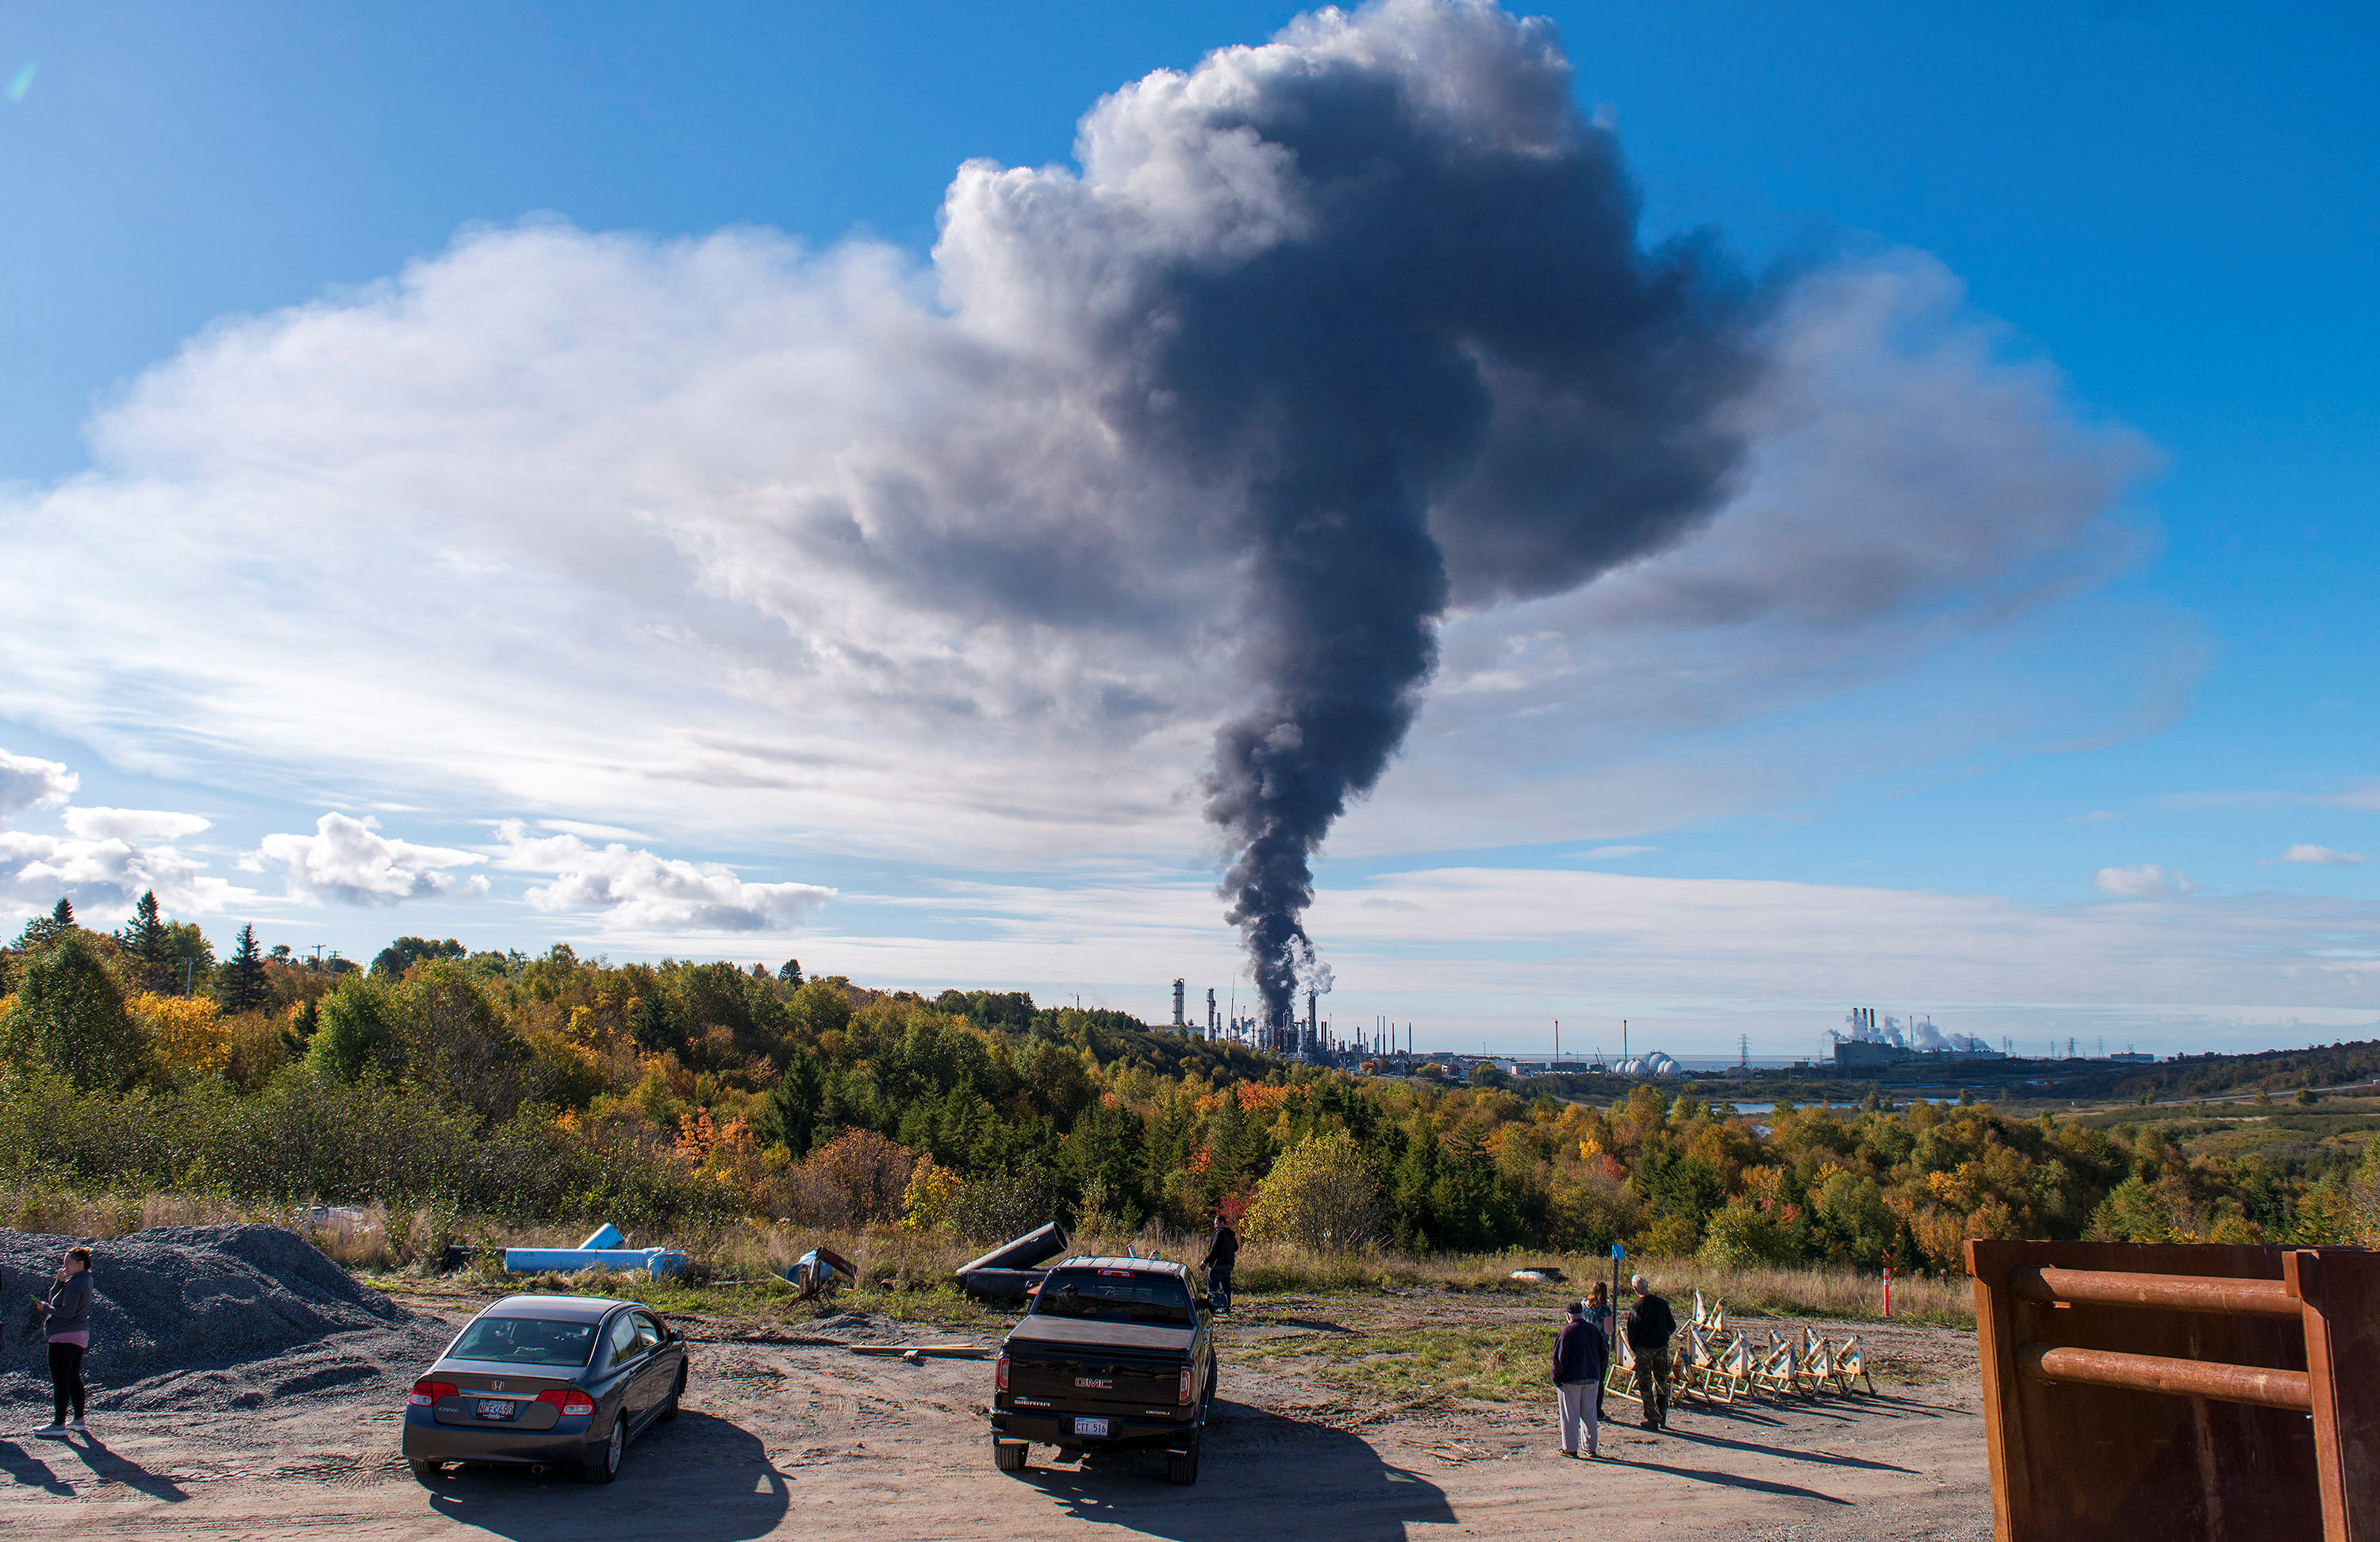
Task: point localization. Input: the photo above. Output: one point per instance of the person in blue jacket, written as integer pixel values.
(1579, 1356)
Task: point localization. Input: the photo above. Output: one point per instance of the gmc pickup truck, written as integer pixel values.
(1115, 1352)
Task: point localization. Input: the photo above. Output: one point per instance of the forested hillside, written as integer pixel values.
(556, 1087)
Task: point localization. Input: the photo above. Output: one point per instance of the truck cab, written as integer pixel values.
(1115, 1352)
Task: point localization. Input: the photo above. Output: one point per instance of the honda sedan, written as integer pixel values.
(546, 1381)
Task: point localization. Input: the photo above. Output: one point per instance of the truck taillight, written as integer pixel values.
(570, 1399)
(426, 1392)
(1182, 1397)
(999, 1373)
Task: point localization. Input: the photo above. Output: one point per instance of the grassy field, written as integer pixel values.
(909, 1275)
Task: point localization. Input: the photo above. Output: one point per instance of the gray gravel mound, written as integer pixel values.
(189, 1317)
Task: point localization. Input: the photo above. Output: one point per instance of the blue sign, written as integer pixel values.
(1618, 1253)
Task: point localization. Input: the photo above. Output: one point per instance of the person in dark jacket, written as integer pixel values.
(1649, 1326)
(1579, 1356)
(1221, 1254)
(66, 1314)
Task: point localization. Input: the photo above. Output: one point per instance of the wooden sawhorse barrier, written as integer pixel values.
(2179, 1393)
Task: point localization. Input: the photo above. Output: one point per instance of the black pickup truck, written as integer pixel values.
(1115, 1352)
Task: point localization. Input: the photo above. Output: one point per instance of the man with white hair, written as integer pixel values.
(1649, 1326)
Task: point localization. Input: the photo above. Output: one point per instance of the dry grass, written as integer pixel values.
(907, 1272)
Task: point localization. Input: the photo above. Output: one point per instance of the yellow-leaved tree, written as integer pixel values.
(187, 1033)
(926, 1203)
(1321, 1195)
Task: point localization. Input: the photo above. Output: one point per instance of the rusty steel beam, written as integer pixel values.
(2179, 1292)
(2162, 1373)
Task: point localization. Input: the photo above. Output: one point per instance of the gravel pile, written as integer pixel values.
(200, 1317)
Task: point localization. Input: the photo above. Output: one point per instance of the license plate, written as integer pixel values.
(498, 1408)
(1090, 1426)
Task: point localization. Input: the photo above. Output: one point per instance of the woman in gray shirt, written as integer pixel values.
(68, 1309)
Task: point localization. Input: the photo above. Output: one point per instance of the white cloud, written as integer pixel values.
(634, 889)
(2321, 856)
(699, 538)
(103, 878)
(103, 868)
(2145, 878)
(346, 861)
(28, 783)
(131, 824)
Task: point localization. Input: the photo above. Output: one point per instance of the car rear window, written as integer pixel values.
(525, 1342)
(1114, 1295)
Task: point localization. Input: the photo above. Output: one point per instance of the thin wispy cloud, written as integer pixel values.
(2319, 856)
(132, 824)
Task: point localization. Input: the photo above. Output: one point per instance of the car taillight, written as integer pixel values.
(999, 1373)
(1182, 1397)
(426, 1392)
(570, 1399)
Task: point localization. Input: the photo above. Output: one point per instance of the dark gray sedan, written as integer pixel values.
(546, 1381)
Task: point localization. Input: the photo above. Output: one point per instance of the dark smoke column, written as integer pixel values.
(1370, 298)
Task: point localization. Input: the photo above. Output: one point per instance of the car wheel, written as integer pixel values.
(669, 1409)
(1009, 1455)
(1182, 1467)
(602, 1463)
(427, 1472)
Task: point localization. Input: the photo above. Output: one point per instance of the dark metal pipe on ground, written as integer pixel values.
(2161, 1373)
(2180, 1293)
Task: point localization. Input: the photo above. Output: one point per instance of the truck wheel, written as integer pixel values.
(1182, 1467)
(1009, 1455)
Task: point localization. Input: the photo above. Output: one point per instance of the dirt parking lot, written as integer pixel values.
(788, 1432)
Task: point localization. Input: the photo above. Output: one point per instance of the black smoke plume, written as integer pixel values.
(1454, 375)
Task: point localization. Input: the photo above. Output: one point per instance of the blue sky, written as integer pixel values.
(2066, 811)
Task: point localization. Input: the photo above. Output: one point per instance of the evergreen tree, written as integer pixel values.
(43, 930)
(792, 974)
(243, 987)
(143, 942)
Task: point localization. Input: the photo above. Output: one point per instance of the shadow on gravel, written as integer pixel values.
(22, 1466)
(713, 1480)
(108, 1467)
(1730, 1480)
(1260, 1473)
(1823, 1458)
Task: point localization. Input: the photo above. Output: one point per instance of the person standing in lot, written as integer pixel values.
(1598, 1312)
(1580, 1355)
(68, 1313)
(1650, 1328)
(1221, 1254)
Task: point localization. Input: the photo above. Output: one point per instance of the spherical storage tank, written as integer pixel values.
(1653, 1062)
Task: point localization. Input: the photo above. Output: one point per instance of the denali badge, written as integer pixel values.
(1103, 1383)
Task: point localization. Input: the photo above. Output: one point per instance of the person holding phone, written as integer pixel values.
(66, 1314)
